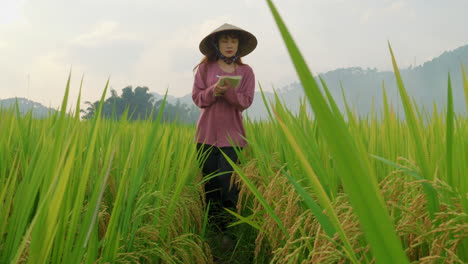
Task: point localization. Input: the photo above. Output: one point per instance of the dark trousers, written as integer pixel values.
(218, 190)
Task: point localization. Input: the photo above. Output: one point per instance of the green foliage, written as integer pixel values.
(358, 178)
(139, 104)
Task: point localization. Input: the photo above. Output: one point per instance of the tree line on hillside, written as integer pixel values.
(141, 105)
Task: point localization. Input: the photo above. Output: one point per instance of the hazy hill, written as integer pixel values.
(426, 83)
(25, 105)
(186, 99)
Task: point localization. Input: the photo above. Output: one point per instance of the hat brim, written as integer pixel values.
(247, 41)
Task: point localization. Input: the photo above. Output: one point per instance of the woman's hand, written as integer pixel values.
(220, 89)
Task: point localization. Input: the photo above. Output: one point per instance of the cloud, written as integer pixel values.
(105, 49)
(103, 33)
(168, 60)
(398, 6)
(47, 79)
(365, 17)
(390, 10)
(11, 11)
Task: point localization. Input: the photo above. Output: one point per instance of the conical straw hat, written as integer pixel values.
(247, 41)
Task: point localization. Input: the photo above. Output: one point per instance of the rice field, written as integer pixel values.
(332, 188)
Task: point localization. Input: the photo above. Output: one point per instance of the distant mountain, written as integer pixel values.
(25, 105)
(426, 83)
(186, 99)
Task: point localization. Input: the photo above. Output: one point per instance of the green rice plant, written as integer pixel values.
(449, 133)
(413, 122)
(300, 241)
(465, 85)
(314, 183)
(98, 190)
(356, 174)
(257, 195)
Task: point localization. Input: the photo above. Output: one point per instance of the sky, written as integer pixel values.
(154, 43)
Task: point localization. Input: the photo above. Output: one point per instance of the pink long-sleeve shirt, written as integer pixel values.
(221, 116)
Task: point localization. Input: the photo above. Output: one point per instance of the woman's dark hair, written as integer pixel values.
(212, 56)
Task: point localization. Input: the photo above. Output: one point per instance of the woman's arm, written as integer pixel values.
(202, 94)
(242, 97)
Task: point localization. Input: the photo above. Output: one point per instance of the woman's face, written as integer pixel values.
(228, 45)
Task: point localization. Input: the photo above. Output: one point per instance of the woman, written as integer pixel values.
(220, 128)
